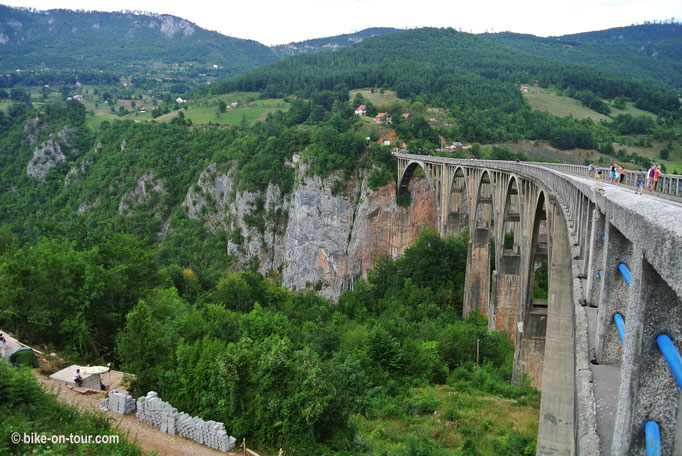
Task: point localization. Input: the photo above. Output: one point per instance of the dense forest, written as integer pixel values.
(285, 369)
(648, 52)
(448, 68)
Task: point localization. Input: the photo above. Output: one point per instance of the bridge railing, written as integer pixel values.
(668, 184)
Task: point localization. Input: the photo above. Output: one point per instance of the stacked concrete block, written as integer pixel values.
(151, 409)
(119, 402)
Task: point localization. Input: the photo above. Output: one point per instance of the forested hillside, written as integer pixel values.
(120, 43)
(649, 52)
(447, 67)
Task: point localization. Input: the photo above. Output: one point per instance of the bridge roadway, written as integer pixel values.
(611, 256)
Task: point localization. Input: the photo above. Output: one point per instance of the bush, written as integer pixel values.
(404, 199)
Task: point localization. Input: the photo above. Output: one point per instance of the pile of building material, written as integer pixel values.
(154, 411)
(119, 402)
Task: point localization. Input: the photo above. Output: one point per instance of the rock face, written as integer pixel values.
(171, 25)
(311, 237)
(143, 191)
(49, 154)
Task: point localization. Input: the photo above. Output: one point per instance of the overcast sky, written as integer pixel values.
(284, 21)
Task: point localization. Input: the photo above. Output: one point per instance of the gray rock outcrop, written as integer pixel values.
(311, 238)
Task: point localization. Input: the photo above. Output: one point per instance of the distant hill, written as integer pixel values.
(331, 43)
(449, 68)
(650, 52)
(86, 40)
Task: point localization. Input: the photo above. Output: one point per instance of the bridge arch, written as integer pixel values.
(507, 286)
(533, 310)
(458, 202)
(511, 227)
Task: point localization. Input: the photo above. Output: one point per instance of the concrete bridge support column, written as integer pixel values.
(507, 293)
(615, 294)
(477, 282)
(555, 435)
(595, 258)
(648, 391)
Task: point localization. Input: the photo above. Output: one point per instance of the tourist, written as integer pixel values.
(656, 173)
(650, 178)
(590, 170)
(612, 173)
(639, 183)
(621, 174)
(77, 378)
(597, 172)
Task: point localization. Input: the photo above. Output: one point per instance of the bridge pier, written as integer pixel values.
(477, 282)
(558, 372)
(507, 294)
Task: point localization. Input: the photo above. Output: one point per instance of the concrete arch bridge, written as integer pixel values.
(602, 345)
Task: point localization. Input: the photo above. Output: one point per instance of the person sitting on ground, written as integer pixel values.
(640, 181)
(77, 378)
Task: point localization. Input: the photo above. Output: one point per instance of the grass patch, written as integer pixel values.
(378, 99)
(440, 420)
(547, 100)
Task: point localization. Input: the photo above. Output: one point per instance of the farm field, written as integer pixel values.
(378, 99)
(547, 100)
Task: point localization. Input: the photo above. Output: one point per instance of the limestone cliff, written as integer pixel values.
(50, 153)
(310, 237)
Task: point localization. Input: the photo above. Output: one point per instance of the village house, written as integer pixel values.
(524, 89)
(180, 100)
(361, 111)
(383, 117)
(454, 146)
(406, 115)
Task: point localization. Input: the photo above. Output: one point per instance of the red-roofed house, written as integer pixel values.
(383, 117)
(361, 111)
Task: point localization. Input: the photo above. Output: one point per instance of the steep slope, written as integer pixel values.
(78, 40)
(648, 52)
(331, 43)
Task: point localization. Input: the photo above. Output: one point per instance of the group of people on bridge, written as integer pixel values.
(617, 173)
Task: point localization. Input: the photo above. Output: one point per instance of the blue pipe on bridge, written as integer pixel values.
(672, 356)
(599, 272)
(653, 438)
(625, 272)
(620, 324)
